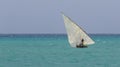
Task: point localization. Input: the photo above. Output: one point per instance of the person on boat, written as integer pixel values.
(81, 44)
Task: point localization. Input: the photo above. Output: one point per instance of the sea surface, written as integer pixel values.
(53, 50)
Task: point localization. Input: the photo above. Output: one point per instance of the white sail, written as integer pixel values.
(75, 33)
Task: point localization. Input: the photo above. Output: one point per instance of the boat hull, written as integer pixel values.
(81, 46)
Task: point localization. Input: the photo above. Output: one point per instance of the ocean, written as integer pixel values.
(53, 50)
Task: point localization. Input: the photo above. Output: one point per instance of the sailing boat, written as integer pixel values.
(75, 33)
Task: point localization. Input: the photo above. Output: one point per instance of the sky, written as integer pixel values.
(44, 16)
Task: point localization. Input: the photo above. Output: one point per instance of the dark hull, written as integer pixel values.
(81, 46)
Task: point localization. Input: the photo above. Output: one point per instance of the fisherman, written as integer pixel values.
(81, 44)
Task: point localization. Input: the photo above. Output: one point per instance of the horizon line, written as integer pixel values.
(50, 33)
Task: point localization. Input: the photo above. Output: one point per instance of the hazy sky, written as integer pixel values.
(44, 16)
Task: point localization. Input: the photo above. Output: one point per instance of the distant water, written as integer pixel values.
(47, 50)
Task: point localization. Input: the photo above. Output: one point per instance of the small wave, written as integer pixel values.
(104, 42)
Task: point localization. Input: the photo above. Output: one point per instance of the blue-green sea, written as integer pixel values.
(53, 50)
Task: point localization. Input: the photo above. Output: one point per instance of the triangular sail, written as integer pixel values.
(76, 33)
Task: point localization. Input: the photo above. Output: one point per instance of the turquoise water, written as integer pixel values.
(54, 51)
